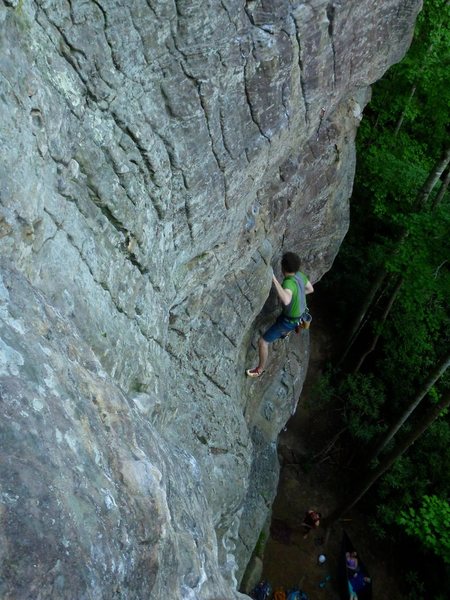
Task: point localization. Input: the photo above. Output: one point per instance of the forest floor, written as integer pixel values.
(311, 479)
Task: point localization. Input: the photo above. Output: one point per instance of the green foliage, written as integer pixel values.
(394, 231)
(400, 486)
(399, 141)
(418, 473)
(323, 391)
(419, 86)
(364, 397)
(390, 171)
(432, 460)
(416, 586)
(430, 523)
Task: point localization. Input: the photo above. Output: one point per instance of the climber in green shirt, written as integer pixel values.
(292, 292)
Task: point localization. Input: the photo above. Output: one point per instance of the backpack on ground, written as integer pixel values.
(297, 594)
(279, 594)
(262, 591)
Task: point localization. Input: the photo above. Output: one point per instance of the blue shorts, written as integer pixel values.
(280, 328)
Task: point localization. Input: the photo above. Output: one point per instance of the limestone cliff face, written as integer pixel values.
(157, 159)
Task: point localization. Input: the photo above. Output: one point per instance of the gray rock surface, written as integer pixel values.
(157, 157)
(95, 504)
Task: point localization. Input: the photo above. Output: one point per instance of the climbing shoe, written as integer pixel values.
(256, 372)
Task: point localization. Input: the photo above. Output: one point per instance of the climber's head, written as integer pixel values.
(290, 263)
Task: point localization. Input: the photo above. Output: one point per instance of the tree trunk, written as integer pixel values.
(432, 179)
(435, 375)
(442, 191)
(413, 90)
(384, 316)
(402, 116)
(370, 477)
(422, 197)
(357, 323)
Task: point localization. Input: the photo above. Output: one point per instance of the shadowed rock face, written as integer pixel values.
(157, 159)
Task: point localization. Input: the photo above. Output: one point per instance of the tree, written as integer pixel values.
(423, 391)
(360, 317)
(380, 323)
(443, 190)
(433, 178)
(393, 275)
(371, 476)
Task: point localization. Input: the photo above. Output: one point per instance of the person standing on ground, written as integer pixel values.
(352, 561)
(291, 292)
(311, 520)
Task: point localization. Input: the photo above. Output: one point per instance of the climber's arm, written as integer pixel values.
(285, 295)
(309, 288)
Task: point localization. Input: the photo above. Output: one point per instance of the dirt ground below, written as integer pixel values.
(312, 479)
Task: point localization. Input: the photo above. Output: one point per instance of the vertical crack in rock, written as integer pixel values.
(141, 37)
(187, 209)
(220, 163)
(286, 89)
(224, 138)
(62, 50)
(207, 116)
(66, 48)
(227, 12)
(331, 12)
(244, 294)
(113, 56)
(251, 108)
(300, 66)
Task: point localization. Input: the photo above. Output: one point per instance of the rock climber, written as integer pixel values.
(311, 520)
(291, 292)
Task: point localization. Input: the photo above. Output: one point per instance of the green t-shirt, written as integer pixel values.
(297, 305)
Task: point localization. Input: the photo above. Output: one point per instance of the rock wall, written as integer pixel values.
(157, 159)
